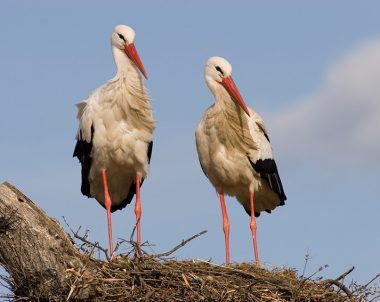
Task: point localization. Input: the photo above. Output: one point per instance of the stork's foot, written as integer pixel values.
(226, 227)
(253, 228)
(138, 212)
(107, 204)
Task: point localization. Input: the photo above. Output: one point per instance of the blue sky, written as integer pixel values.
(311, 69)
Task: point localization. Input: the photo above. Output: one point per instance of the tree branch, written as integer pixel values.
(34, 249)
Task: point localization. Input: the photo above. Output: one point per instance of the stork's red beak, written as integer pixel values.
(231, 88)
(132, 53)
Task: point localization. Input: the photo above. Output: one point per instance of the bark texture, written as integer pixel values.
(35, 250)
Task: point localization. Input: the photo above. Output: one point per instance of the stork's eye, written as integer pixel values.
(219, 69)
(121, 37)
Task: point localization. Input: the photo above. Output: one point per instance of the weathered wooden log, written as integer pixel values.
(36, 251)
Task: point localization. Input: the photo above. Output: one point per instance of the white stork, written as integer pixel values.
(234, 151)
(114, 140)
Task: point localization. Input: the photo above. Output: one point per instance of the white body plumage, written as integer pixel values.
(229, 169)
(230, 143)
(116, 122)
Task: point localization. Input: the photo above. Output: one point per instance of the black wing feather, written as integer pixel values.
(268, 170)
(132, 188)
(150, 148)
(82, 151)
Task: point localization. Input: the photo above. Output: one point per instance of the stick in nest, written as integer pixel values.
(184, 242)
(85, 240)
(134, 244)
(339, 284)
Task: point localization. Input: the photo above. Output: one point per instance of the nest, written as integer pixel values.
(45, 264)
(157, 278)
(138, 276)
(149, 279)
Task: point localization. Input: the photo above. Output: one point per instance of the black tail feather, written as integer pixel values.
(268, 171)
(82, 151)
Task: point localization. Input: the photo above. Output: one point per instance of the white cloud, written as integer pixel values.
(342, 120)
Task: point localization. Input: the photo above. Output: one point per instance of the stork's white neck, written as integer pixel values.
(222, 97)
(123, 63)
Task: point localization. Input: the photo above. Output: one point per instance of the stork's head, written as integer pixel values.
(218, 75)
(123, 38)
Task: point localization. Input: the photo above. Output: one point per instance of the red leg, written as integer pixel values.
(253, 228)
(138, 208)
(107, 203)
(226, 227)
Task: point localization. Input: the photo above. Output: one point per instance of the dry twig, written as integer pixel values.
(183, 243)
(85, 240)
